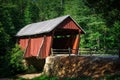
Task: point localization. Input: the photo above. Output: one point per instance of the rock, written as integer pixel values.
(77, 66)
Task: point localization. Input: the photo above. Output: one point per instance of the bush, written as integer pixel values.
(16, 58)
(44, 77)
(112, 77)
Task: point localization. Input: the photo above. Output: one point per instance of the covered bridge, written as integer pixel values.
(37, 39)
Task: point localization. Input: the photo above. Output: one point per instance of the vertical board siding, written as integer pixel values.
(35, 45)
(68, 24)
(76, 44)
(48, 44)
(27, 53)
(23, 43)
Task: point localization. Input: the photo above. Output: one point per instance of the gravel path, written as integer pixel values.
(29, 76)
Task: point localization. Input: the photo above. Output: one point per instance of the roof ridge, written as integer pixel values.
(50, 19)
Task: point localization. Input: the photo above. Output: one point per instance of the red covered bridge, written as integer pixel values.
(37, 39)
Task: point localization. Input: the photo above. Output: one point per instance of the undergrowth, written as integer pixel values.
(43, 77)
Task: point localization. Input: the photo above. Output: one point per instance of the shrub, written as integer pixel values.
(112, 77)
(16, 58)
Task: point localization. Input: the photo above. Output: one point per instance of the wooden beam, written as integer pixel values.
(69, 51)
(38, 55)
(26, 47)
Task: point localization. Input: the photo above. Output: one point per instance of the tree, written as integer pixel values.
(27, 13)
(4, 40)
(110, 11)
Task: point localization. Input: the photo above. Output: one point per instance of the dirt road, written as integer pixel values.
(29, 76)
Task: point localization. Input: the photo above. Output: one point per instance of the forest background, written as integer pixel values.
(99, 18)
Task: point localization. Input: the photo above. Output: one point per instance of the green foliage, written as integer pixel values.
(112, 77)
(4, 49)
(110, 12)
(116, 32)
(16, 60)
(107, 77)
(108, 8)
(48, 9)
(31, 69)
(4, 40)
(43, 77)
(27, 14)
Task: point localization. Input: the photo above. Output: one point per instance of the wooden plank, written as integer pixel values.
(52, 51)
(61, 52)
(40, 47)
(26, 47)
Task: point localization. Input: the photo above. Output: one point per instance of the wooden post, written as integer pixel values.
(51, 51)
(26, 47)
(91, 51)
(78, 52)
(69, 51)
(41, 46)
(119, 52)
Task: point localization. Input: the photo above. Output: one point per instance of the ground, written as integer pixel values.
(29, 76)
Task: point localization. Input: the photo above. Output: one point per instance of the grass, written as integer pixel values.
(43, 77)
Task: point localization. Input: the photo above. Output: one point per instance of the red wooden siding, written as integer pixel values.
(68, 24)
(23, 43)
(27, 52)
(33, 46)
(45, 50)
(36, 47)
(48, 45)
(76, 44)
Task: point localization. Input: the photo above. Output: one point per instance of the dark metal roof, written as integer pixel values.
(43, 27)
